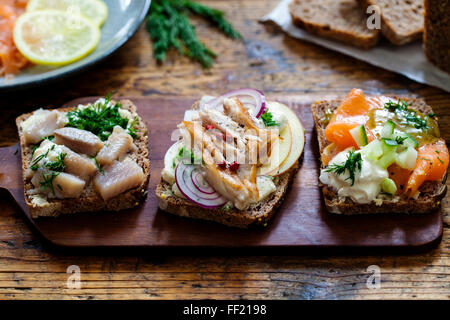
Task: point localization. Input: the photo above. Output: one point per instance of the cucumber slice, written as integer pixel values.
(388, 186)
(389, 145)
(373, 151)
(387, 159)
(410, 141)
(359, 135)
(405, 139)
(388, 130)
(407, 158)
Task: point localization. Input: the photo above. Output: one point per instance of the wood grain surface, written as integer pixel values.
(278, 65)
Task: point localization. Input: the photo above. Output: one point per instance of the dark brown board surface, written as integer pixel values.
(301, 221)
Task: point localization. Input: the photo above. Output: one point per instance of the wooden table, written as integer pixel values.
(276, 64)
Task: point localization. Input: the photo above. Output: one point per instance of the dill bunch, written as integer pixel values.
(169, 27)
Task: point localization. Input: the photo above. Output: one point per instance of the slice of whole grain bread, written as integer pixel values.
(257, 214)
(341, 20)
(437, 33)
(431, 192)
(402, 21)
(90, 200)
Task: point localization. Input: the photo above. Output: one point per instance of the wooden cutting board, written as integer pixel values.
(301, 222)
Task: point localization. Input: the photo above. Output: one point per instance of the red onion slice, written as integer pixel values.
(252, 99)
(195, 188)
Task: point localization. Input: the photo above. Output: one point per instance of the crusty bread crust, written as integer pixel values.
(257, 214)
(401, 21)
(431, 192)
(90, 200)
(341, 20)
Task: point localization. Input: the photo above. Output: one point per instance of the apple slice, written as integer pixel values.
(298, 137)
(279, 152)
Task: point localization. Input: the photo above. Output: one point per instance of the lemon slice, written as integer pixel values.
(95, 10)
(56, 38)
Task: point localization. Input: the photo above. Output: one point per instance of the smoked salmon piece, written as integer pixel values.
(431, 165)
(352, 112)
(11, 60)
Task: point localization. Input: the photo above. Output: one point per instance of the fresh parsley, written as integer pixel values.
(266, 117)
(169, 27)
(352, 164)
(100, 118)
(411, 117)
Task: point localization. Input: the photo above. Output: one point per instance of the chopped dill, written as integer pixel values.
(48, 181)
(411, 117)
(58, 164)
(99, 167)
(34, 165)
(99, 118)
(353, 163)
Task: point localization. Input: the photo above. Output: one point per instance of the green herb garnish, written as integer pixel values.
(410, 116)
(184, 154)
(400, 140)
(99, 167)
(353, 163)
(132, 127)
(226, 207)
(99, 118)
(48, 181)
(442, 162)
(169, 27)
(34, 165)
(267, 119)
(58, 164)
(36, 146)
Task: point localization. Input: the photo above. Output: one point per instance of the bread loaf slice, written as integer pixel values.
(90, 200)
(401, 20)
(341, 20)
(437, 33)
(431, 192)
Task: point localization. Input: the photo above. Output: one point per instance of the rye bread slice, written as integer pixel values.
(402, 21)
(90, 200)
(437, 33)
(257, 214)
(341, 20)
(431, 192)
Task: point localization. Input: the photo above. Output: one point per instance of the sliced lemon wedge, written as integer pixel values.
(95, 10)
(52, 37)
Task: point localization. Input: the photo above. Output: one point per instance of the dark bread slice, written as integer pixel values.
(257, 214)
(90, 200)
(401, 20)
(437, 33)
(431, 192)
(341, 20)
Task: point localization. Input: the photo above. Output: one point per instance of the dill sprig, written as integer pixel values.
(58, 164)
(169, 27)
(353, 163)
(47, 181)
(216, 17)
